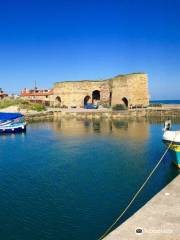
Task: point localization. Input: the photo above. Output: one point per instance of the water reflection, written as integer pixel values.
(138, 130)
(12, 135)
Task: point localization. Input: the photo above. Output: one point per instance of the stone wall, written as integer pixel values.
(72, 94)
(150, 114)
(132, 87)
(130, 90)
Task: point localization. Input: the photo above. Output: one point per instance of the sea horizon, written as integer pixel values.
(165, 101)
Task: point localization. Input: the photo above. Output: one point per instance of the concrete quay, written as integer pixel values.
(149, 113)
(163, 113)
(158, 219)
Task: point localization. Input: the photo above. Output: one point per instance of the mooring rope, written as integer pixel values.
(138, 192)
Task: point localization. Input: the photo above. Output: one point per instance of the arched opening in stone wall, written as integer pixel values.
(125, 101)
(96, 95)
(86, 99)
(110, 98)
(58, 101)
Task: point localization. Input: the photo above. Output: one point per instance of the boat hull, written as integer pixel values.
(172, 138)
(175, 154)
(13, 129)
(174, 150)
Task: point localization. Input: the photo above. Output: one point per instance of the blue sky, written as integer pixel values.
(50, 41)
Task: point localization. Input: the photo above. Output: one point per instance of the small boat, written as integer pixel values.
(12, 123)
(172, 138)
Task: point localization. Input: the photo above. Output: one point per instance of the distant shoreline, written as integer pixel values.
(165, 102)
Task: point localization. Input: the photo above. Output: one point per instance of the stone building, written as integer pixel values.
(43, 96)
(130, 90)
(2, 94)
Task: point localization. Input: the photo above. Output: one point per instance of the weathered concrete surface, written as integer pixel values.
(159, 219)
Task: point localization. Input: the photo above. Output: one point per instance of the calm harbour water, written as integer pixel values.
(70, 179)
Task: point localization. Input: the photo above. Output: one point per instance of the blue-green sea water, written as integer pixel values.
(70, 179)
(165, 101)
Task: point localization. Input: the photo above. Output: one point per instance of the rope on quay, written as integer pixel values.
(138, 192)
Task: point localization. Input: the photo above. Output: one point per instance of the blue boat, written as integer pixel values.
(12, 123)
(172, 138)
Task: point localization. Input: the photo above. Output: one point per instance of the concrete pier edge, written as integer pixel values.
(158, 219)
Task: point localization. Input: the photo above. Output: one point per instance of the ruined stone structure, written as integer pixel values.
(130, 90)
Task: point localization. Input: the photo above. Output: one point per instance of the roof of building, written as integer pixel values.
(77, 81)
(37, 92)
(103, 80)
(3, 93)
